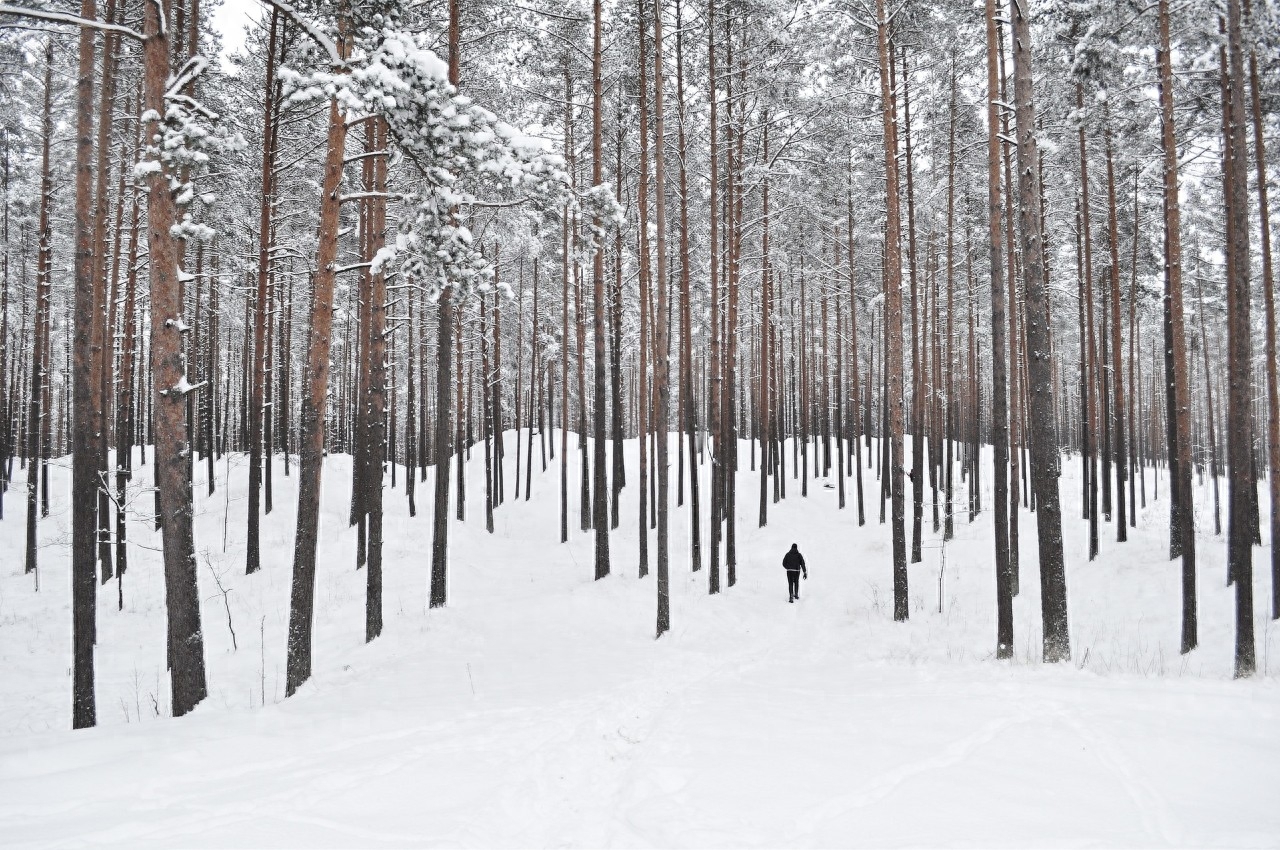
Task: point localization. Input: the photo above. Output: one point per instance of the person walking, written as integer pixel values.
(793, 563)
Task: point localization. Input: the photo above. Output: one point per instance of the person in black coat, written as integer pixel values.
(793, 563)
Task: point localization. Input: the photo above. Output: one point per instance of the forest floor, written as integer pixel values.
(536, 709)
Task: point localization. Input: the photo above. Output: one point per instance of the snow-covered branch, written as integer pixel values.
(69, 19)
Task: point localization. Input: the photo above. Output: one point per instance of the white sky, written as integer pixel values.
(230, 19)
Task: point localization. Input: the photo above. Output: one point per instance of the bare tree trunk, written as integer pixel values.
(1268, 289)
(438, 592)
(1044, 450)
(462, 433)
(917, 371)
(615, 351)
(762, 408)
(1117, 373)
(687, 400)
(85, 392)
(486, 417)
(535, 391)
(172, 464)
(893, 321)
(564, 310)
(495, 391)
(253, 559)
(1091, 360)
(1239, 353)
(126, 415)
(716, 390)
(311, 426)
(580, 327)
(1134, 386)
(600, 504)
(642, 383)
(105, 338)
(948, 523)
(999, 411)
(729, 407)
(374, 408)
(411, 443)
(662, 348)
(7, 395)
(1182, 530)
(39, 363)
(854, 382)
(1011, 300)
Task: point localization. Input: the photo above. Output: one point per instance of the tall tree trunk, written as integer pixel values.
(948, 523)
(253, 558)
(917, 350)
(564, 312)
(535, 391)
(311, 425)
(85, 395)
(169, 380)
(1044, 449)
(687, 400)
(6, 387)
(617, 410)
(105, 339)
(716, 390)
(486, 416)
(374, 407)
(126, 416)
(1117, 373)
(762, 408)
(1239, 353)
(642, 383)
(438, 591)
(999, 410)
(893, 320)
(729, 407)
(662, 348)
(1268, 289)
(853, 356)
(1134, 386)
(600, 487)
(1182, 529)
(1091, 360)
(1210, 418)
(1013, 396)
(39, 363)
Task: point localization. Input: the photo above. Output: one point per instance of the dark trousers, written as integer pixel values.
(793, 584)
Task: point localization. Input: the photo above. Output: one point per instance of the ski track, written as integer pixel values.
(538, 710)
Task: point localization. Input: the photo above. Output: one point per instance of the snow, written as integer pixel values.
(536, 709)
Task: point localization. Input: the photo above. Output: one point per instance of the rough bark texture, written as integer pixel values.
(1239, 359)
(662, 359)
(1178, 413)
(375, 406)
(172, 451)
(86, 403)
(600, 486)
(1044, 448)
(311, 424)
(40, 332)
(715, 393)
(893, 322)
(999, 409)
(1268, 289)
(1117, 373)
(253, 561)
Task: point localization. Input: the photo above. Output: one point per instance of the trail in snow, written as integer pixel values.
(538, 710)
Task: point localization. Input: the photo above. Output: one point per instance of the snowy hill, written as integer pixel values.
(537, 710)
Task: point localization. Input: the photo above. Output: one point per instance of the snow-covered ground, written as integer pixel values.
(537, 709)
